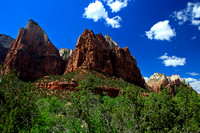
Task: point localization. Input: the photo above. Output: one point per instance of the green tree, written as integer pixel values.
(17, 108)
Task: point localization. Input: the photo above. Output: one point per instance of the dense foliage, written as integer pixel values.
(24, 109)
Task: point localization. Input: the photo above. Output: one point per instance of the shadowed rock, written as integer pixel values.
(4, 46)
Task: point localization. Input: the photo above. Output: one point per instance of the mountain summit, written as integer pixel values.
(95, 52)
(33, 55)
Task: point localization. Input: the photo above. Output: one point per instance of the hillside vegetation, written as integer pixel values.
(97, 79)
(23, 108)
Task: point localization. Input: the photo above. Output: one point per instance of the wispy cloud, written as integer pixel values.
(161, 31)
(191, 14)
(193, 38)
(195, 83)
(193, 73)
(172, 60)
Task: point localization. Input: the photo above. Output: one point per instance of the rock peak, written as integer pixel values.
(30, 23)
(98, 53)
(33, 55)
(157, 76)
(85, 32)
(110, 41)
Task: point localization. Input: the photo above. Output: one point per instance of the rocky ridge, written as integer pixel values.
(33, 55)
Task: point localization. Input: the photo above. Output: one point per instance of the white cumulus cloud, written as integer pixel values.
(117, 5)
(194, 83)
(172, 60)
(161, 31)
(193, 73)
(191, 14)
(97, 11)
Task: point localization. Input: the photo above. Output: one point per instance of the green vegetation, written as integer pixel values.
(98, 79)
(24, 109)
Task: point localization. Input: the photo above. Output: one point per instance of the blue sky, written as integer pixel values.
(163, 35)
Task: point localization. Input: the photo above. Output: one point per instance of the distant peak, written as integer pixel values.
(107, 36)
(30, 23)
(163, 76)
(157, 76)
(85, 32)
(91, 32)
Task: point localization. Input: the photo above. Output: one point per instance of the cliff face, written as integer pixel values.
(158, 80)
(95, 52)
(4, 46)
(33, 55)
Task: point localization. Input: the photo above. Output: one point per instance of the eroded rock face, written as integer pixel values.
(65, 86)
(158, 80)
(95, 52)
(65, 53)
(4, 46)
(33, 55)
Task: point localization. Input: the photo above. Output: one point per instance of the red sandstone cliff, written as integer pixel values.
(33, 55)
(95, 52)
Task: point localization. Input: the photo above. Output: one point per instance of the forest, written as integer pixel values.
(23, 108)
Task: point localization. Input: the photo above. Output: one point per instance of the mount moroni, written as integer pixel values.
(96, 68)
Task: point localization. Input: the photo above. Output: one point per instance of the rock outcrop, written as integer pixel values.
(4, 46)
(65, 53)
(58, 85)
(65, 86)
(95, 52)
(33, 55)
(158, 80)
